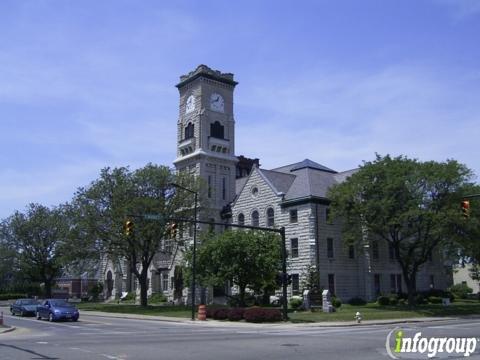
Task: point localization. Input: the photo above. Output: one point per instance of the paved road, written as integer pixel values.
(103, 338)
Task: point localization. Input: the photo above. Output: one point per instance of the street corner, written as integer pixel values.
(6, 329)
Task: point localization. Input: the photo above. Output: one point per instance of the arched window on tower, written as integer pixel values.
(216, 130)
(189, 129)
(270, 217)
(255, 221)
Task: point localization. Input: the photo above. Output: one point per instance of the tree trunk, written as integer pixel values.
(266, 297)
(411, 289)
(143, 281)
(242, 295)
(48, 288)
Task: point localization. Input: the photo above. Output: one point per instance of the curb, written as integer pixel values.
(374, 323)
(220, 323)
(10, 329)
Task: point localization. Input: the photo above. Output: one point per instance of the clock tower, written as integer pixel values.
(206, 133)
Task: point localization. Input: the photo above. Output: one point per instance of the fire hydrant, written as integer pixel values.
(358, 317)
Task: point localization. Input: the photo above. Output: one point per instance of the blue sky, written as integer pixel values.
(89, 84)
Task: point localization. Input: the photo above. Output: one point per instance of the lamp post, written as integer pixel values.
(194, 243)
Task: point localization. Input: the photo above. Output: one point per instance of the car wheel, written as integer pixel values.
(50, 317)
(75, 319)
(38, 316)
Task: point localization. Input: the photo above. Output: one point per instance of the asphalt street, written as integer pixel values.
(94, 337)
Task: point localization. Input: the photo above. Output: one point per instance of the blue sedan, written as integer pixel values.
(24, 307)
(55, 309)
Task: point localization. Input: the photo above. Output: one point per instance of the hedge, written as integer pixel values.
(254, 314)
(235, 314)
(257, 315)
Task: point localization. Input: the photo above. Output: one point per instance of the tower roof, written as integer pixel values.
(205, 71)
(307, 163)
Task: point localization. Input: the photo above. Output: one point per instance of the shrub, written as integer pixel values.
(130, 296)
(357, 301)
(272, 315)
(383, 300)
(212, 309)
(157, 298)
(235, 314)
(209, 312)
(461, 290)
(393, 299)
(96, 290)
(438, 293)
(220, 313)
(420, 299)
(256, 314)
(434, 300)
(336, 302)
(295, 303)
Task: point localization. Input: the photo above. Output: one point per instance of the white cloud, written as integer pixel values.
(461, 9)
(50, 186)
(341, 119)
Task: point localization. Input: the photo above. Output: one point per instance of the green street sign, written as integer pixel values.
(152, 217)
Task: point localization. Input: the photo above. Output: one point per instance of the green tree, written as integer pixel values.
(413, 206)
(103, 207)
(246, 258)
(40, 239)
(8, 268)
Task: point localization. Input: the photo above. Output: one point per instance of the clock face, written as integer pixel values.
(190, 104)
(216, 102)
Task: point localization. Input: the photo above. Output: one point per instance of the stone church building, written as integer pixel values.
(293, 196)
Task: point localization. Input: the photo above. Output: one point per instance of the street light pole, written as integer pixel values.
(195, 193)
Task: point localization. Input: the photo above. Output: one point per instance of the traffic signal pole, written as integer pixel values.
(280, 231)
(195, 221)
(194, 257)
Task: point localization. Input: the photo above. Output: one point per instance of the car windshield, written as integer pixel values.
(29, 302)
(59, 303)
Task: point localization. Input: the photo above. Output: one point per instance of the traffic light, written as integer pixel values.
(466, 209)
(172, 229)
(279, 279)
(128, 227)
(289, 279)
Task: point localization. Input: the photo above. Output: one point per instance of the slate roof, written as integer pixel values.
(280, 181)
(301, 180)
(307, 163)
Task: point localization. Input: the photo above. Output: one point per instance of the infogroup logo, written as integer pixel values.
(398, 344)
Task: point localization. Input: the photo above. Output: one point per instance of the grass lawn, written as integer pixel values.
(375, 312)
(162, 310)
(346, 312)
